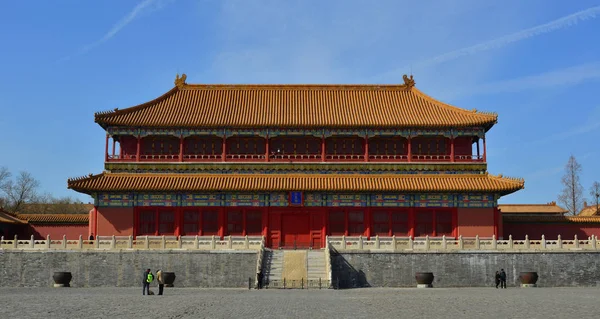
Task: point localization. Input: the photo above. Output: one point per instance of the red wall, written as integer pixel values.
(114, 221)
(58, 231)
(476, 221)
(550, 231)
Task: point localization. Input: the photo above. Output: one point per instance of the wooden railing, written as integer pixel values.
(295, 157)
(140, 242)
(461, 243)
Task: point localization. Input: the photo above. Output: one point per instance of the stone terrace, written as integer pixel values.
(358, 303)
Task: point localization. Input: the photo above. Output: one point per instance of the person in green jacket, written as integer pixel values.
(147, 279)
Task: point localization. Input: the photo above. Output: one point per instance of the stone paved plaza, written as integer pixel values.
(359, 303)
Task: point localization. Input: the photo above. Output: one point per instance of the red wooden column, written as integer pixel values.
(484, 151)
(222, 222)
(409, 149)
(411, 222)
(346, 222)
(496, 221)
(323, 148)
(367, 222)
(452, 149)
(139, 146)
(478, 148)
(136, 222)
(113, 150)
(455, 222)
(181, 148)
(265, 223)
(324, 218)
(433, 221)
(178, 220)
(367, 148)
(224, 153)
(106, 150)
(267, 148)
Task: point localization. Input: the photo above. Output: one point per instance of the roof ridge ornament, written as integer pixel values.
(409, 82)
(180, 81)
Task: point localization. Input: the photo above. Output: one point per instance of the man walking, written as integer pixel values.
(148, 278)
(497, 279)
(502, 279)
(161, 284)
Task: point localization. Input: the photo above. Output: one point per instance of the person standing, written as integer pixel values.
(502, 279)
(148, 278)
(160, 281)
(497, 278)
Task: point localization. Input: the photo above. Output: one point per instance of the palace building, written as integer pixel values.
(295, 163)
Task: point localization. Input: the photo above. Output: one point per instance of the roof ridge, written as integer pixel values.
(444, 104)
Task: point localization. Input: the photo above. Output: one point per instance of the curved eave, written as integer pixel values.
(553, 219)
(50, 219)
(442, 183)
(425, 111)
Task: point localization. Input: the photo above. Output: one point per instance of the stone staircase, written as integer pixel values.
(299, 268)
(316, 266)
(272, 265)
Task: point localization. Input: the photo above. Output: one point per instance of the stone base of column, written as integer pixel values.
(424, 286)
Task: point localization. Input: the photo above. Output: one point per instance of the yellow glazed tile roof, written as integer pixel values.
(295, 106)
(7, 218)
(553, 219)
(550, 208)
(55, 218)
(589, 211)
(117, 182)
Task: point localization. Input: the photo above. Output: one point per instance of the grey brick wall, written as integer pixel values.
(559, 269)
(125, 268)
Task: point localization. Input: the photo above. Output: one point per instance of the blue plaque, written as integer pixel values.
(296, 198)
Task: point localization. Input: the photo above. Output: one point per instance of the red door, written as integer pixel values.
(295, 230)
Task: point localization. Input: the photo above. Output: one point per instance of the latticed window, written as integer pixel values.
(235, 222)
(356, 223)
(381, 223)
(191, 222)
(400, 223)
(210, 222)
(337, 223)
(253, 223)
(166, 225)
(424, 223)
(147, 222)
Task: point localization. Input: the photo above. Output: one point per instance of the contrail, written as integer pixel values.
(560, 23)
(137, 10)
(557, 24)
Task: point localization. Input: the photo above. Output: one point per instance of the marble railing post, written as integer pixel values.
(576, 241)
(377, 244)
(246, 242)
(343, 242)
(163, 242)
(543, 242)
(179, 243)
(461, 243)
(427, 242)
(394, 243)
(559, 242)
(64, 242)
(229, 242)
(130, 242)
(526, 241)
(510, 242)
(15, 245)
(594, 242)
(113, 242)
(147, 243)
(360, 242)
(410, 243)
(444, 244)
(80, 243)
(32, 242)
(213, 244)
(477, 245)
(47, 241)
(196, 242)
(494, 242)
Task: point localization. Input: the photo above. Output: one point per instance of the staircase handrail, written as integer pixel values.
(328, 261)
(259, 261)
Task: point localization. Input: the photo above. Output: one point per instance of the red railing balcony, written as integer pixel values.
(468, 158)
(202, 157)
(295, 157)
(121, 158)
(159, 158)
(344, 157)
(244, 157)
(431, 158)
(388, 158)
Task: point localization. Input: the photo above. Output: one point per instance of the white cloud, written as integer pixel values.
(142, 7)
(524, 34)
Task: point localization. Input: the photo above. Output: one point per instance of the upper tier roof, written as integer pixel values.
(550, 208)
(295, 106)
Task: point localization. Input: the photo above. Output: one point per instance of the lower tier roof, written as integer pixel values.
(148, 182)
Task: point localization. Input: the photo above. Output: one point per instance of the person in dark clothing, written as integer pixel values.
(92, 236)
(259, 277)
(148, 278)
(497, 278)
(502, 279)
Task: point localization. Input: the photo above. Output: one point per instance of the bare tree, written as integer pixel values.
(4, 179)
(595, 193)
(20, 191)
(572, 193)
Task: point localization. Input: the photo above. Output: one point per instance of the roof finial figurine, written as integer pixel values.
(180, 81)
(408, 81)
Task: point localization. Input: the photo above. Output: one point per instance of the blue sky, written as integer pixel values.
(536, 63)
